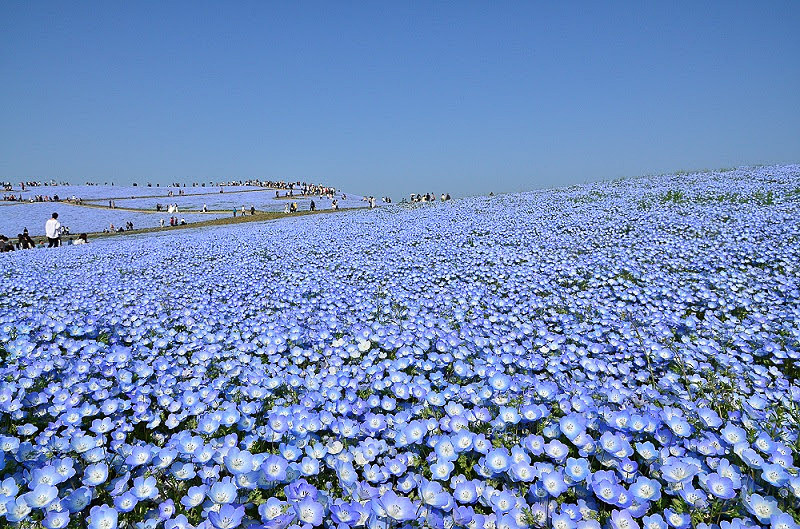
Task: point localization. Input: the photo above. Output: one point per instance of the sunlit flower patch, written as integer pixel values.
(616, 355)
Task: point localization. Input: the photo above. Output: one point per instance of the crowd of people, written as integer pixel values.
(17, 197)
(54, 233)
(173, 221)
(8, 186)
(428, 197)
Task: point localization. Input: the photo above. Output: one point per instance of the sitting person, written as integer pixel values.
(82, 239)
(6, 245)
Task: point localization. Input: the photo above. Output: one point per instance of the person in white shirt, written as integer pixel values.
(52, 229)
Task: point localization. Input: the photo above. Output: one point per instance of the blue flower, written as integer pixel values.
(622, 520)
(42, 496)
(228, 516)
(102, 517)
(309, 511)
(145, 488)
(645, 489)
(96, 474)
(223, 491)
(398, 508)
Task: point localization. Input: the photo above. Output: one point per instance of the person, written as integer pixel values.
(5, 244)
(313, 206)
(183, 222)
(252, 210)
(52, 229)
(161, 221)
(335, 204)
(205, 208)
(26, 239)
(243, 210)
(234, 212)
(82, 239)
(286, 208)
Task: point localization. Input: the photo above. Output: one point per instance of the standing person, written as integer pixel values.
(161, 221)
(234, 212)
(252, 210)
(313, 206)
(52, 228)
(243, 210)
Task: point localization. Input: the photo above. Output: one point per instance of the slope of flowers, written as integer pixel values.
(618, 355)
(262, 200)
(14, 217)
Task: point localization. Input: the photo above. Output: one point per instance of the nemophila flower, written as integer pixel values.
(96, 474)
(783, 521)
(17, 509)
(553, 483)
(194, 496)
(44, 476)
(441, 471)
(556, 450)
(498, 460)
(140, 455)
(56, 520)
(645, 489)
(274, 468)
(78, 499)
(654, 521)
(606, 490)
(676, 519)
(398, 508)
(183, 471)
(166, 509)
(622, 520)
(562, 521)
(223, 491)
(102, 517)
(465, 493)
(41, 496)
(761, 507)
(228, 516)
(719, 486)
(126, 502)
(774, 474)
(238, 461)
(144, 488)
(572, 425)
(678, 471)
(576, 470)
(733, 434)
(432, 493)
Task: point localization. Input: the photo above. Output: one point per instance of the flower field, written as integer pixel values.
(16, 216)
(261, 200)
(615, 355)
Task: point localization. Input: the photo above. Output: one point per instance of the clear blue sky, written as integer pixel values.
(395, 97)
